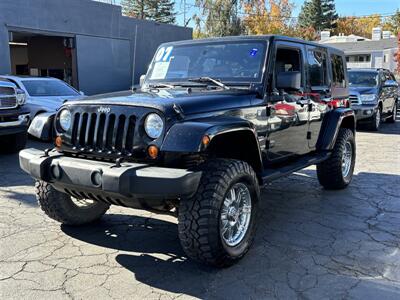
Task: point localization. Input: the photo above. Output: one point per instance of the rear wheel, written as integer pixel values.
(14, 143)
(65, 209)
(337, 171)
(217, 225)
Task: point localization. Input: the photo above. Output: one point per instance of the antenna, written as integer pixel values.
(134, 57)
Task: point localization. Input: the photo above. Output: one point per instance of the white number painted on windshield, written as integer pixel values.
(164, 54)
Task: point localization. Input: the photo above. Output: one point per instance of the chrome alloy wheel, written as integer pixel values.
(235, 214)
(347, 158)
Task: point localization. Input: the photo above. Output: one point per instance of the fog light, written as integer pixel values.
(97, 178)
(23, 118)
(58, 141)
(153, 151)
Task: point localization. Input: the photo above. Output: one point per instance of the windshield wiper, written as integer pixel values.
(161, 85)
(210, 80)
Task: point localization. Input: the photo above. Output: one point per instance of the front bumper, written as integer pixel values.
(130, 184)
(13, 121)
(364, 111)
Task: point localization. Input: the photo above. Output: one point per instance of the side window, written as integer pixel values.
(383, 78)
(338, 71)
(288, 60)
(317, 68)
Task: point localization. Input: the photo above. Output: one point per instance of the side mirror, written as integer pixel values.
(81, 93)
(289, 81)
(390, 83)
(141, 80)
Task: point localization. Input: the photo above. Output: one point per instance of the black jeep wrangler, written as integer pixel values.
(212, 122)
(14, 118)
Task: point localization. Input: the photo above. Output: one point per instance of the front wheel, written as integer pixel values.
(375, 122)
(337, 171)
(393, 117)
(65, 209)
(217, 225)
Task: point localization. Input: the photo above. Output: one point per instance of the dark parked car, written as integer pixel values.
(14, 118)
(373, 96)
(214, 120)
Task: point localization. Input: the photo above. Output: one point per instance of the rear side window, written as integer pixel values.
(317, 68)
(338, 71)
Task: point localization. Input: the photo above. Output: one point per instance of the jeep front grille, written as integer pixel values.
(103, 132)
(8, 98)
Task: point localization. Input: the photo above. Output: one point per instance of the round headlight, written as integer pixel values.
(65, 119)
(154, 126)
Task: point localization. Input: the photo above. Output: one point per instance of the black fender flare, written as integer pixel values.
(186, 137)
(331, 124)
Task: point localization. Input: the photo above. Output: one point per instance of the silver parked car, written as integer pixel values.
(43, 94)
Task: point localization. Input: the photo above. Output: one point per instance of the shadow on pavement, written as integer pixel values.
(346, 237)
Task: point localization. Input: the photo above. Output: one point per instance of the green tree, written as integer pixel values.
(157, 10)
(162, 11)
(318, 14)
(221, 17)
(135, 8)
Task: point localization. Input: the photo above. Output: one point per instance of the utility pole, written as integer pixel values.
(184, 13)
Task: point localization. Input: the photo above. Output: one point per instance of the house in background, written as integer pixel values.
(378, 52)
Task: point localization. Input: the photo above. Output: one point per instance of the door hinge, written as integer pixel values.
(308, 135)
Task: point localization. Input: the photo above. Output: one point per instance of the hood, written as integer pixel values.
(51, 102)
(363, 90)
(164, 100)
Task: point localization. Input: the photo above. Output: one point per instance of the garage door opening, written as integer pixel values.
(43, 56)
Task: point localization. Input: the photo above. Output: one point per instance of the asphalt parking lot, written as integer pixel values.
(311, 243)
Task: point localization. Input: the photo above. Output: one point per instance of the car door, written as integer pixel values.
(317, 91)
(287, 115)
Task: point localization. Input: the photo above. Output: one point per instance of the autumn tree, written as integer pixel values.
(361, 26)
(268, 16)
(318, 14)
(397, 54)
(221, 17)
(393, 23)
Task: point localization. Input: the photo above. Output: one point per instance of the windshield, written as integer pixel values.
(236, 62)
(363, 79)
(38, 88)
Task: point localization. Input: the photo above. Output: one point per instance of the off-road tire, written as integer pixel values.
(199, 215)
(329, 172)
(14, 143)
(60, 207)
(392, 118)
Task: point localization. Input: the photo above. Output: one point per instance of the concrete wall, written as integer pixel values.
(86, 18)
